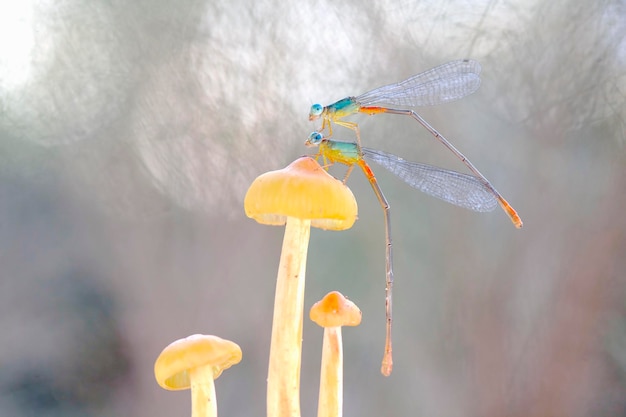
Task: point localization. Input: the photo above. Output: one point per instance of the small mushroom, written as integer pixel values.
(195, 362)
(301, 195)
(332, 312)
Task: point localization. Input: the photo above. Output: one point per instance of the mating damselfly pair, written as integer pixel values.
(447, 82)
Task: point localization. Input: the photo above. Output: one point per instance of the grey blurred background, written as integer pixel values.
(129, 133)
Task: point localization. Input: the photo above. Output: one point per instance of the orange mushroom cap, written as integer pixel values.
(171, 368)
(335, 310)
(303, 190)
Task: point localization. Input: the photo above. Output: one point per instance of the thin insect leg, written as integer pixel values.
(387, 362)
(348, 172)
(326, 122)
(326, 164)
(358, 135)
(351, 126)
(508, 209)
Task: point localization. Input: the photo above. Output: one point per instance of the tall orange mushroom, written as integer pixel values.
(299, 196)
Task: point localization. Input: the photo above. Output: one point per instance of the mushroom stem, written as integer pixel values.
(283, 381)
(330, 403)
(332, 312)
(203, 399)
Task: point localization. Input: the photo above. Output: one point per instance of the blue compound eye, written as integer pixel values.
(315, 138)
(316, 110)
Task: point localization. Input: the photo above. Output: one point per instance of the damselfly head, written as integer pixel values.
(316, 112)
(314, 139)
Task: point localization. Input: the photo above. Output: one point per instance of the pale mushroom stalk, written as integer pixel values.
(203, 399)
(283, 384)
(330, 402)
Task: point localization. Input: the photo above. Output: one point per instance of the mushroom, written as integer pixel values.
(195, 362)
(332, 312)
(301, 195)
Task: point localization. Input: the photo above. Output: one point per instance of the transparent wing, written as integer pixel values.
(453, 187)
(447, 82)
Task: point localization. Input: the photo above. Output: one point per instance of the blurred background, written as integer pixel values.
(129, 133)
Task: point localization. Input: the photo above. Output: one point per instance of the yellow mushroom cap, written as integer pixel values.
(335, 310)
(171, 368)
(303, 190)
